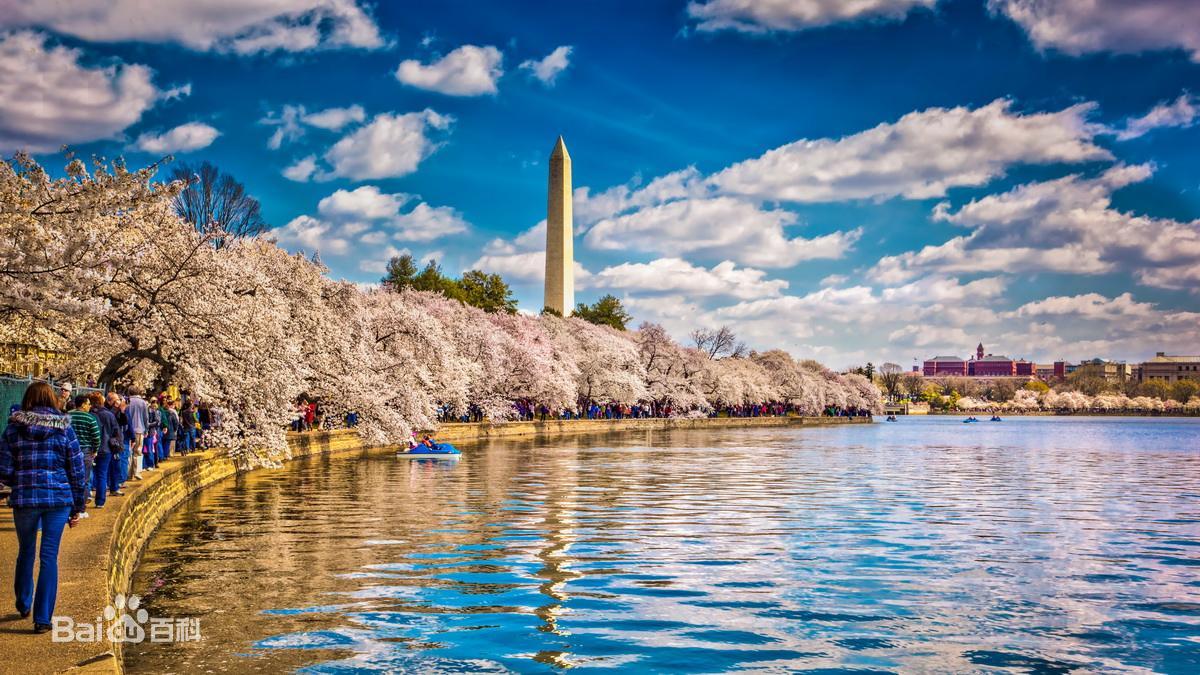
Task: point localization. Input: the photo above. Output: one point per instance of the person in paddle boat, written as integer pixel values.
(426, 443)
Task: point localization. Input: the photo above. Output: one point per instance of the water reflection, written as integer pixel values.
(1037, 545)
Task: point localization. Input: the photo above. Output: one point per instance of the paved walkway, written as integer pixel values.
(81, 592)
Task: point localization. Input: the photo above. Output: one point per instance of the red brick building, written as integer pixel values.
(940, 366)
(981, 365)
(992, 366)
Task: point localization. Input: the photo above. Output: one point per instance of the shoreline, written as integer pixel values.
(98, 558)
(1051, 413)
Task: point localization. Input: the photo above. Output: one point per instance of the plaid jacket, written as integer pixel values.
(41, 461)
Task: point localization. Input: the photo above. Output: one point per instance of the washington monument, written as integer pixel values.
(560, 250)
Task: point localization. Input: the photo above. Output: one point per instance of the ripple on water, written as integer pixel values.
(1037, 546)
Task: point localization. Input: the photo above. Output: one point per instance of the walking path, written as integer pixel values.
(83, 563)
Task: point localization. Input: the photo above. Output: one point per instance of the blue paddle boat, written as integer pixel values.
(438, 451)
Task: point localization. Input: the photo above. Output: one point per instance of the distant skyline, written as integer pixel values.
(883, 181)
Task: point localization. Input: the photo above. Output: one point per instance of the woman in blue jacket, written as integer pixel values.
(41, 461)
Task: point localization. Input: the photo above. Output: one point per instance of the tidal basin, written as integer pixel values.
(1029, 545)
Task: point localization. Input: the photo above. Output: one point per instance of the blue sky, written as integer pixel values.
(881, 181)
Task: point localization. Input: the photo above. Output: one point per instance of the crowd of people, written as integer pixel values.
(849, 411)
(61, 455)
(309, 415)
(529, 411)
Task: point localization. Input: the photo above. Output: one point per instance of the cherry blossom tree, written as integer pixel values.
(100, 263)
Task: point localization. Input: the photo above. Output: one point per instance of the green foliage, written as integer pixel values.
(867, 371)
(485, 291)
(1000, 390)
(607, 311)
(550, 311)
(401, 270)
(1088, 379)
(1037, 386)
(1184, 390)
(1154, 389)
(913, 384)
(890, 380)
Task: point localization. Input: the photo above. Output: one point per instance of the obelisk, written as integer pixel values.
(560, 250)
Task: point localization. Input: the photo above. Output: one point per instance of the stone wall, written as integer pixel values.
(460, 433)
(151, 501)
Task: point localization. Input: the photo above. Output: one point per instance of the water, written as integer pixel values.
(1036, 545)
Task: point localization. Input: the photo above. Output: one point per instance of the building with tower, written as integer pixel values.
(981, 365)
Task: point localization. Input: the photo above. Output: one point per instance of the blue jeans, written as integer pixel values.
(116, 470)
(103, 467)
(27, 522)
(149, 452)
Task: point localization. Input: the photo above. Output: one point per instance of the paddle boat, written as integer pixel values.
(970, 419)
(891, 418)
(436, 451)
(996, 418)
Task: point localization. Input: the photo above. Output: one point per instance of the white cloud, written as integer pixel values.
(717, 227)
(1066, 225)
(961, 256)
(183, 138)
(528, 266)
(761, 16)
(675, 275)
(722, 216)
(944, 338)
(310, 234)
(1121, 26)
(590, 208)
(242, 27)
(389, 146)
(930, 316)
(523, 259)
(364, 203)
(182, 91)
(378, 264)
(425, 223)
(49, 98)
(1087, 305)
(1182, 112)
(333, 119)
(302, 170)
(943, 289)
(287, 125)
(547, 69)
(366, 208)
(290, 121)
(921, 155)
(466, 71)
